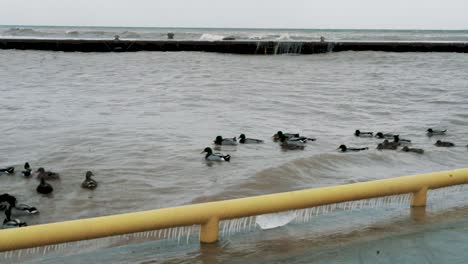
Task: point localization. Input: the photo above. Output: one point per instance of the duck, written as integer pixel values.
(358, 133)
(27, 170)
(225, 141)
(215, 156)
(393, 143)
(415, 150)
(26, 209)
(292, 144)
(385, 136)
(388, 145)
(89, 183)
(13, 223)
(47, 175)
(343, 148)
(244, 140)
(9, 170)
(7, 198)
(432, 132)
(44, 187)
(444, 144)
(397, 139)
(278, 134)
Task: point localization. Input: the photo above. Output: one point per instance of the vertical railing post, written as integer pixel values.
(419, 198)
(209, 231)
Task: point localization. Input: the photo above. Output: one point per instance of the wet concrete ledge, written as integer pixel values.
(231, 46)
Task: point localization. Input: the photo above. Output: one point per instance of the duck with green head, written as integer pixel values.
(210, 156)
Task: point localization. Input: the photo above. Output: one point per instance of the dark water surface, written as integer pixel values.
(140, 120)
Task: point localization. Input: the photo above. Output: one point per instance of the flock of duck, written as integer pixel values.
(9, 202)
(287, 141)
(294, 141)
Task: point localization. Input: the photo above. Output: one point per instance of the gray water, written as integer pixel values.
(139, 121)
(252, 34)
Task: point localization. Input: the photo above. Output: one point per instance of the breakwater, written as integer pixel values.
(231, 46)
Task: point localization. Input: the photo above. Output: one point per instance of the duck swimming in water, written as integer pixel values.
(89, 183)
(27, 170)
(215, 156)
(358, 133)
(44, 187)
(244, 140)
(385, 136)
(397, 139)
(388, 145)
(278, 135)
(13, 223)
(444, 144)
(292, 144)
(343, 148)
(432, 132)
(47, 175)
(225, 141)
(293, 137)
(8, 222)
(9, 170)
(415, 150)
(26, 209)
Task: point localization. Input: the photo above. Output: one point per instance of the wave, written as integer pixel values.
(19, 31)
(238, 34)
(212, 37)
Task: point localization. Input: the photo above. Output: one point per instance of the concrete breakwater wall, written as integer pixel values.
(231, 46)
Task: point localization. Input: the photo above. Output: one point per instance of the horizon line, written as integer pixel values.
(258, 28)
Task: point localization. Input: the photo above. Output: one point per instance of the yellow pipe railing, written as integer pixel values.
(208, 215)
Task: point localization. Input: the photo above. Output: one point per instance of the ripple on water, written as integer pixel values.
(139, 121)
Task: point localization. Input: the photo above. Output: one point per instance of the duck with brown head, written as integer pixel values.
(440, 143)
(89, 183)
(47, 175)
(44, 187)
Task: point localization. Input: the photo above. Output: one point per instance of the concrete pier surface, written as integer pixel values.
(227, 46)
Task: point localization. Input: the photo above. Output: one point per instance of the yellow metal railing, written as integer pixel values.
(208, 215)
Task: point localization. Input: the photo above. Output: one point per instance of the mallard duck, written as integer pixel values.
(27, 170)
(9, 170)
(225, 141)
(397, 139)
(343, 148)
(12, 223)
(432, 132)
(10, 199)
(215, 156)
(26, 209)
(385, 136)
(88, 182)
(44, 187)
(358, 133)
(244, 140)
(292, 144)
(415, 150)
(388, 145)
(444, 144)
(278, 135)
(47, 175)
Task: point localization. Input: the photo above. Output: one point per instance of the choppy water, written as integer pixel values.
(139, 121)
(237, 33)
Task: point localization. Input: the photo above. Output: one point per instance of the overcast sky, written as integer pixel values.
(390, 14)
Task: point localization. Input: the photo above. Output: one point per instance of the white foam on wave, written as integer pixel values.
(211, 37)
(284, 36)
(275, 220)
